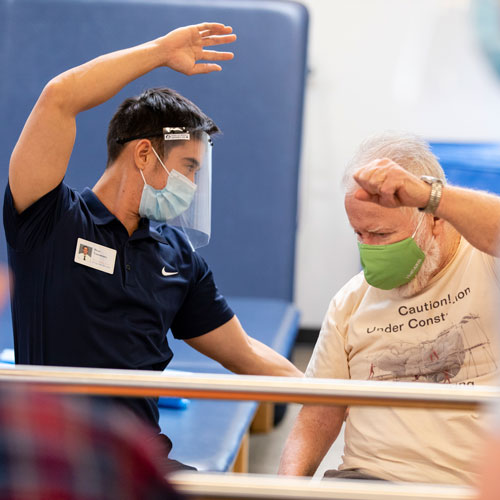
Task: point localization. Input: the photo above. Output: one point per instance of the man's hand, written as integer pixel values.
(389, 185)
(184, 46)
(474, 214)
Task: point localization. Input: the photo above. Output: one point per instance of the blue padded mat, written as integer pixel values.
(473, 165)
(207, 435)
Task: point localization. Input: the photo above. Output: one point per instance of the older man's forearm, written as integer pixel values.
(474, 214)
(312, 435)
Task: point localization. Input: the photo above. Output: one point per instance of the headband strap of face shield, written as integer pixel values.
(185, 201)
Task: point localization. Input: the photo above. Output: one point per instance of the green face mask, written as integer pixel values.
(393, 265)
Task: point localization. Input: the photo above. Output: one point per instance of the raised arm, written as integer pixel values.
(41, 155)
(474, 214)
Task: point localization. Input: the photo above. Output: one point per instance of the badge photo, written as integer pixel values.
(96, 256)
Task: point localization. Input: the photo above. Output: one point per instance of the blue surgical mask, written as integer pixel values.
(166, 204)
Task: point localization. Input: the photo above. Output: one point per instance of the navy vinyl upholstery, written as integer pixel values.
(256, 100)
(473, 165)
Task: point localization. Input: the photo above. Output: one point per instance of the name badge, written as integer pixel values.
(95, 256)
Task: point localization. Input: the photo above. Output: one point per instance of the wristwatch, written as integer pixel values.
(436, 192)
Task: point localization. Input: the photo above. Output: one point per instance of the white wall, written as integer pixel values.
(412, 65)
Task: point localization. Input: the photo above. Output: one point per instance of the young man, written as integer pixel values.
(114, 310)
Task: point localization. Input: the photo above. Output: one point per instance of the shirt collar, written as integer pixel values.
(145, 230)
(153, 233)
(102, 215)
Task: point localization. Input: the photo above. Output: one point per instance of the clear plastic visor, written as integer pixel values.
(190, 153)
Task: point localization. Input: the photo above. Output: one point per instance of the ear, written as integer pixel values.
(143, 154)
(437, 226)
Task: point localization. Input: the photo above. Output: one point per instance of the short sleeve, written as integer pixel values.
(29, 229)
(493, 263)
(204, 308)
(329, 358)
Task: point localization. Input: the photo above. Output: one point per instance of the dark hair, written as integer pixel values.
(145, 116)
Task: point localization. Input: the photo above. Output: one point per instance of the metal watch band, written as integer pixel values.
(436, 192)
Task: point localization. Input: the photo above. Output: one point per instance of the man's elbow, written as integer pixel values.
(57, 95)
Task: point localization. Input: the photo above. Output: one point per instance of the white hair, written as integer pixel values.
(409, 151)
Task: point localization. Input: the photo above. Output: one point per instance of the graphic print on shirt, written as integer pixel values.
(459, 353)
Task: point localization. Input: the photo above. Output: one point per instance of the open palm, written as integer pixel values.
(185, 46)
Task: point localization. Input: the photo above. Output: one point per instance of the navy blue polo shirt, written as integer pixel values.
(67, 314)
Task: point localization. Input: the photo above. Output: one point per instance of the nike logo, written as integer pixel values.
(165, 273)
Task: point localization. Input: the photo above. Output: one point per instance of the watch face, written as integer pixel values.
(430, 180)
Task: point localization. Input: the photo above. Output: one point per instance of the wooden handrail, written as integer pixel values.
(202, 486)
(140, 383)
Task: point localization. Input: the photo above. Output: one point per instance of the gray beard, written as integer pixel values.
(429, 268)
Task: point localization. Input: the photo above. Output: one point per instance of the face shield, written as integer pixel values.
(189, 152)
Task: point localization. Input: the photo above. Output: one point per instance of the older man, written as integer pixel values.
(419, 311)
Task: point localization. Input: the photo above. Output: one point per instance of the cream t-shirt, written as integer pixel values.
(445, 334)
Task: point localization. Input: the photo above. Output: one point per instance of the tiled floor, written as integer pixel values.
(265, 449)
